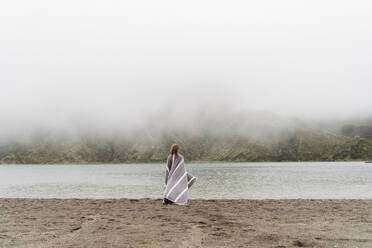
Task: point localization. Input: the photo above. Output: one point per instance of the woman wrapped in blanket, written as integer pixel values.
(177, 180)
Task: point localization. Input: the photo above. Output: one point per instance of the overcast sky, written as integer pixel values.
(114, 60)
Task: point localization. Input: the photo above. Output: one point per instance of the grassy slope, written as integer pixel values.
(301, 144)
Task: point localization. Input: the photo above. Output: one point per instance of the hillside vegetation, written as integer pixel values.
(208, 141)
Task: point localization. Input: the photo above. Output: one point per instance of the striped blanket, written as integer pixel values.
(177, 180)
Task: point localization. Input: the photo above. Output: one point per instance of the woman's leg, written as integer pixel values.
(166, 201)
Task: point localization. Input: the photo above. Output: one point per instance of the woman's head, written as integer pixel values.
(174, 149)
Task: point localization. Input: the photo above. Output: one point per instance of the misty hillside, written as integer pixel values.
(121, 81)
(268, 138)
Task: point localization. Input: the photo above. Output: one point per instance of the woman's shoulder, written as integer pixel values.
(178, 155)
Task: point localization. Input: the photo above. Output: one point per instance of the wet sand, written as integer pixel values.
(202, 223)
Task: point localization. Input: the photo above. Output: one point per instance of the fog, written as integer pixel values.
(105, 64)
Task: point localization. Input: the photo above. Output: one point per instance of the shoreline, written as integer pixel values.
(145, 222)
(189, 162)
(190, 199)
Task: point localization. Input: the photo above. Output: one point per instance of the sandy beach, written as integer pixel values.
(201, 223)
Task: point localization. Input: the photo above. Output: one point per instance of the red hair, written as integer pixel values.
(174, 149)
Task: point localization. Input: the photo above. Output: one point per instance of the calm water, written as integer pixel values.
(215, 180)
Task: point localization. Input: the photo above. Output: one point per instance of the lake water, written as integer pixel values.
(215, 180)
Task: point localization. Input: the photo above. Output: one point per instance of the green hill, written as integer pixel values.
(298, 144)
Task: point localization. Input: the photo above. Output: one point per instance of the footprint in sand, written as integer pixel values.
(71, 234)
(195, 238)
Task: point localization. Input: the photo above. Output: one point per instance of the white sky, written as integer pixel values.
(113, 60)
